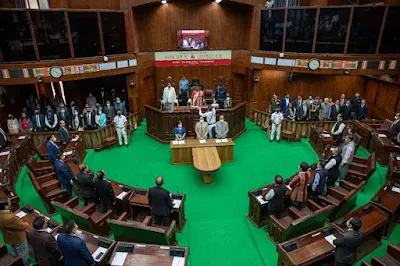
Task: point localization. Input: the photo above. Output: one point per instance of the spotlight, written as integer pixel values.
(163, 2)
(218, 1)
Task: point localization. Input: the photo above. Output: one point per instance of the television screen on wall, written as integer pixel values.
(192, 39)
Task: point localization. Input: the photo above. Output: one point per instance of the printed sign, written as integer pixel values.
(193, 58)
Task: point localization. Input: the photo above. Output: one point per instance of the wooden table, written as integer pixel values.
(393, 174)
(182, 153)
(140, 208)
(149, 255)
(93, 242)
(311, 248)
(373, 225)
(388, 201)
(6, 191)
(382, 146)
(206, 161)
(31, 214)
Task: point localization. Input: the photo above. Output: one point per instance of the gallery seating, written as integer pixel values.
(297, 222)
(7, 260)
(361, 167)
(39, 167)
(49, 189)
(86, 217)
(391, 258)
(143, 232)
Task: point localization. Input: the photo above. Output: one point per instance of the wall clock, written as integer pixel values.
(56, 72)
(314, 64)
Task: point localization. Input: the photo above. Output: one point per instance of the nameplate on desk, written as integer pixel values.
(178, 261)
(382, 135)
(396, 189)
(218, 141)
(398, 158)
(22, 137)
(326, 135)
(122, 195)
(119, 258)
(67, 153)
(21, 214)
(202, 141)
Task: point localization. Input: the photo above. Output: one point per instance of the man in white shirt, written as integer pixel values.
(348, 150)
(276, 118)
(120, 124)
(211, 118)
(337, 130)
(169, 97)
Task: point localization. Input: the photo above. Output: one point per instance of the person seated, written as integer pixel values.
(180, 132)
(299, 187)
(86, 185)
(221, 128)
(44, 245)
(276, 198)
(64, 134)
(63, 115)
(73, 248)
(52, 148)
(319, 182)
(100, 119)
(290, 112)
(64, 174)
(25, 124)
(201, 129)
(333, 166)
(396, 140)
(104, 192)
(337, 130)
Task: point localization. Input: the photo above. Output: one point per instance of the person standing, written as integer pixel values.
(274, 103)
(333, 167)
(14, 231)
(183, 90)
(201, 129)
(3, 138)
(337, 130)
(335, 110)
(355, 105)
(44, 245)
(169, 97)
(118, 105)
(120, 123)
(124, 99)
(346, 110)
(77, 121)
(38, 121)
(285, 102)
(109, 110)
(348, 242)
(71, 109)
(220, 93)
(64, 174)
(318, 185)
(160, 203)
(299, 101)
(104, 192)
(102, 97)
(302, 112)
(348, 151)
(211, 118)
(100, 119)
(52, 149)
(73, 248)
(91, 101)
(86, 184)
(221, 128)
(51, 120)
(64, 134)
(12, 124)
(63, 115)
(276, 118)
(299, 187)
(276, 197)
(180, 132)
(314, 109)
(363, 112)
(325, 111)
(25, 124)
(89, 119)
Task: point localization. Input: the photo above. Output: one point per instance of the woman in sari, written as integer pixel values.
(100, 119)
(198, 96)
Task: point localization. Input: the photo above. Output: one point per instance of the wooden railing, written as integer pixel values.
(93, 138)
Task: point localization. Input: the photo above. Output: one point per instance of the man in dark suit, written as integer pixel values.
(363, 111)
(64, 174)
(348, 242)
(71, 109)
(302, 111)
(299, 101)
(3, 138)
(104, 192)
(394, 128)
(108, 110)
(73, 248)
(355, 105)
(64, 116)
(45, 248)
(102, 97)
(52, 148)
(285, 102)
(160, 203)
(113, 96)
(346, 110)
(64, 134)
(38, 121)
(335, 110)
(89, 119)
(86, 184)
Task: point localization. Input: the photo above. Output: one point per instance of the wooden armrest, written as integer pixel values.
(358, 159)
(326, 200)
(275, 220)
(89, 209)
(45, 163)
(298, 214)
(123, 217)
(364, 263)
(147, 220)
(377, 262)
(72, 202)
(44, 169)
(171, 228)
(52, 174)
(103, 217)
(315, 205)
(46, 178)
(58, 194)
(337, 192)
(394, 251)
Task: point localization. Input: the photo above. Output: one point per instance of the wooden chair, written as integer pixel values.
(208, 97)
(86, 217)
(361, 167)
(142, 232)
(7, 260)
(391, 258)
(298, 222)
(49, 189)
(39, 167)
(384, 128)
(287, 134)
(108, 142)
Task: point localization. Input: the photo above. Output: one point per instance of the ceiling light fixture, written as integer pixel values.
(218, 1)
(163, 2)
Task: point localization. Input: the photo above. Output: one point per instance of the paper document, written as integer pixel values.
(4, 153)
(175, 142)
(122, 195)
(218, 141)
(396, 189)
(178, 261)
(67, 153)
(224, 140)
(382, 135)
(164, 247)
(96, 255)
(119, 258)
(48, 230)
(202, 141)
(1, 170)
(74, 140)
(330, 239)
(261, 200)
(398, 158)
(288, 187)
(22, 137)
(326, 135)
(176, 203)
(21, 214)
(181, 142)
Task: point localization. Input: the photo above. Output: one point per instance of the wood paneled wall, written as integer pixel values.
(305, 84)
(145, 82)
(384, 97)
(157, 25)
(85, 4)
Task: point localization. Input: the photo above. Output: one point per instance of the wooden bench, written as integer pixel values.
(206, 161)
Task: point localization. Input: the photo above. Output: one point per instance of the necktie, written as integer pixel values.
(37, 121)
(88, 118)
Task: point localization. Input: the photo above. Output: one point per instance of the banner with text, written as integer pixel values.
(193, 58)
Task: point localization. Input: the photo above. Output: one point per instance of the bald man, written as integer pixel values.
(160, 203)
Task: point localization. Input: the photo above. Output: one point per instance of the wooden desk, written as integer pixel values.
(206, 161)
(393, 174)
(392, 257)
(182, 153)
(365, 130)
(93, 242)
(389, 202)
(318, 142)
(31, 214)
(382, 146)
(311, 248)
(373, 225)
(140, 208)
(7, 192)
(146, 254)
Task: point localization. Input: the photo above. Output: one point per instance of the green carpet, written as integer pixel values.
(217, 231)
